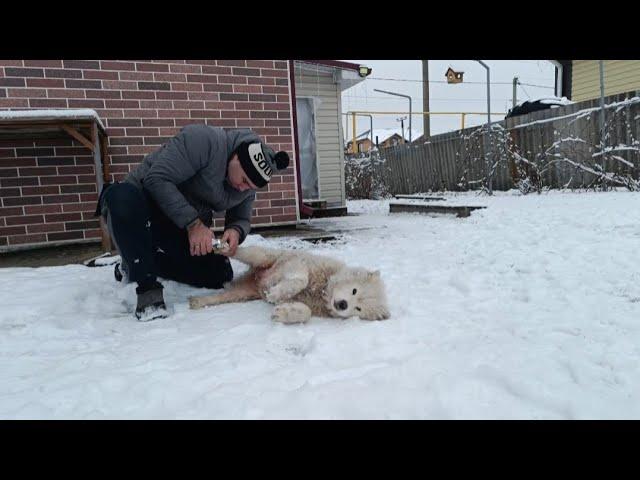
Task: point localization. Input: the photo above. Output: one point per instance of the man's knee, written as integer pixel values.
(214, 271)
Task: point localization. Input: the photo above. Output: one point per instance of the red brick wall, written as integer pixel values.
(48, 187)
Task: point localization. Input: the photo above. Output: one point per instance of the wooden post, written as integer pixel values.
(100, 180)
(425, 100)
(106, 173)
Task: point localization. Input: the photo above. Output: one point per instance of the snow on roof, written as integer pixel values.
(548, 101)
(384, 133)
(556, 100)
(55, 113)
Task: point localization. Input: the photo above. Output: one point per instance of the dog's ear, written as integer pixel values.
(374, 274)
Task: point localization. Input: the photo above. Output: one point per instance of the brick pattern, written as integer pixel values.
(47, 186)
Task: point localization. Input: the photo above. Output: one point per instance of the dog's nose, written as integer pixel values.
(341, 305)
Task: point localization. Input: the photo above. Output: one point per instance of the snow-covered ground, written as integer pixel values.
(527, 309)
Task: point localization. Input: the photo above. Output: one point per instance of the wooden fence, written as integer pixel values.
(556, 148)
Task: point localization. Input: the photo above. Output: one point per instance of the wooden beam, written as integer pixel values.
(104, 148)
(94, 133)
(78, 136)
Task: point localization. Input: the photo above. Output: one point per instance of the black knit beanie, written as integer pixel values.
(259, 162)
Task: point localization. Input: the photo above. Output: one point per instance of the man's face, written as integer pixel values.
(236, 176)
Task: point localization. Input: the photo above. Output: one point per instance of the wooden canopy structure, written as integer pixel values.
(83, 125)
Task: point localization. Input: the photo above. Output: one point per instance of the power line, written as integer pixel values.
(347, 97)
(539, 86)
(444, 81)
(528, 96)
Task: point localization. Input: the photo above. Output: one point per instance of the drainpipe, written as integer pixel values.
(488, 144)
(304, 209)
(559, 75)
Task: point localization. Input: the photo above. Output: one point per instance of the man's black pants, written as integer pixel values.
(151, 245)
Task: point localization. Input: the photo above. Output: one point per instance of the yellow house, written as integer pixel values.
(579, 80)
(363, 145)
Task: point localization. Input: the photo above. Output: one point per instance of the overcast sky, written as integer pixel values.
(405, 77)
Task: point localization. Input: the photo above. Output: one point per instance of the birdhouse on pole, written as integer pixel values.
(453, 76)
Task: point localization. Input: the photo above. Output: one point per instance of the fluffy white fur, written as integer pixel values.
(302, 284)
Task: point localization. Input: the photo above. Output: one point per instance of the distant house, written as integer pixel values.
(579, 80)
(417, 141)
(392, 141)
(385, 137)
(363, 144)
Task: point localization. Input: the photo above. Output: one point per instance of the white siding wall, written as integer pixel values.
(328, 135)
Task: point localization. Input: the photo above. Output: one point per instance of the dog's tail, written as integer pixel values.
(257, 257)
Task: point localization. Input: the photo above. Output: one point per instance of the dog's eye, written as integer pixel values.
(358, 308)
(355, 290)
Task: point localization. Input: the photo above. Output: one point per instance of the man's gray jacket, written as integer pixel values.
(187, 177)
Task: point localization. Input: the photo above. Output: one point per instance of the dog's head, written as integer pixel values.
(357, 292)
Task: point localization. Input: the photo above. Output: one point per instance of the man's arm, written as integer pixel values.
(179, 159)
(239, 217)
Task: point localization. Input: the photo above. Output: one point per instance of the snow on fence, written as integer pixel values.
(555, 148)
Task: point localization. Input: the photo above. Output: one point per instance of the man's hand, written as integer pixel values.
(232, 237)
(200, 239)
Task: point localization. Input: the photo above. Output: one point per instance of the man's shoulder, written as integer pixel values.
(200, 135)
(201, 128)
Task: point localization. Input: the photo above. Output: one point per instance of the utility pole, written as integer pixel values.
(401, 120)
(400, 95)
(425, 99)
(488, 146)
(515, 91)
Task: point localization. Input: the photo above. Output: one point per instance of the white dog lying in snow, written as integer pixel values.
(301, 284)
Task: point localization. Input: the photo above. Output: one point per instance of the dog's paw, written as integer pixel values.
(283, 315)
(196, 303)
(291, 313)
(273, 294)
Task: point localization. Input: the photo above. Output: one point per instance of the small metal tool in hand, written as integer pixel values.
(219, 245)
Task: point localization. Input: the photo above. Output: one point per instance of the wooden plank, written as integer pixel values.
(47, 119)
(422, 163)
(459, 210)
(418, 197)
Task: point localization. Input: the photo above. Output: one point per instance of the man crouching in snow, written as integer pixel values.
(160, 216)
